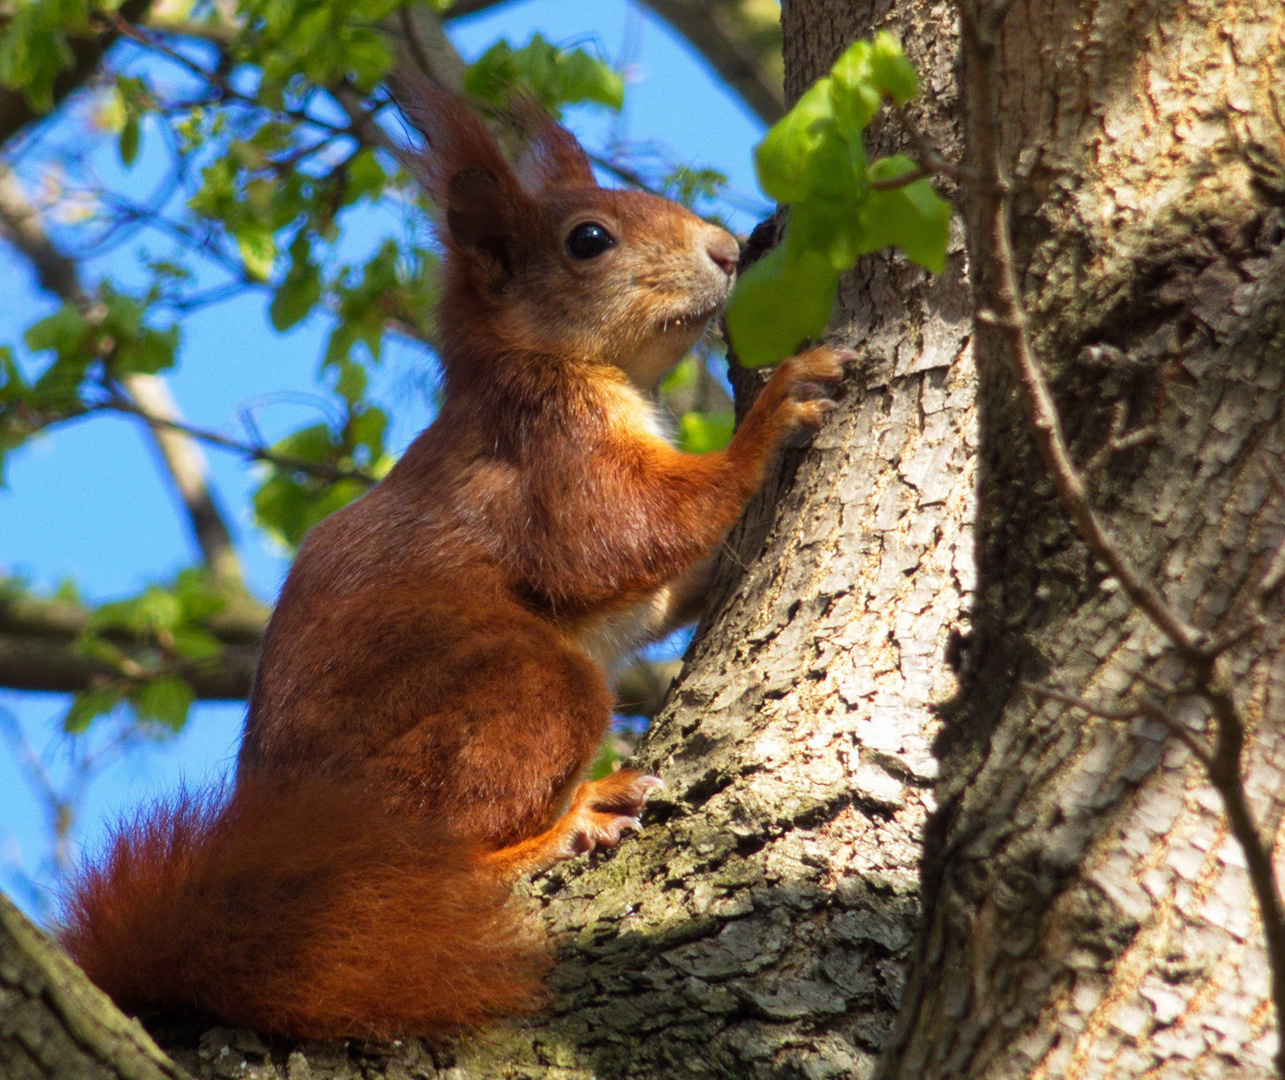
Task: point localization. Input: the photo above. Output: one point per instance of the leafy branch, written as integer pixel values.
(841, 204)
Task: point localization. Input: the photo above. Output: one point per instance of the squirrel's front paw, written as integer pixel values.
(806, 380)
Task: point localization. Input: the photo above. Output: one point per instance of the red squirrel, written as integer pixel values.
(434, 679)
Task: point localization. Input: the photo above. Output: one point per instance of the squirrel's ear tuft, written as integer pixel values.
(456, 137)
(463, 171)
(554, 159)
(480, 215)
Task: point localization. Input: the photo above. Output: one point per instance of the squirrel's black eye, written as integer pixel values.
(588, 240)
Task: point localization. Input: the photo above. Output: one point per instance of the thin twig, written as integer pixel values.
(928, 158)
(904, 180)
(630, 176)
(1181, 731)
(322, 470)
(1094, 708)
(1147, 709)
(216, 78)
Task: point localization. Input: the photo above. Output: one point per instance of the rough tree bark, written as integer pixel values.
(55, 1024)
(762, 923)
(1087, 913)
(1084, 912)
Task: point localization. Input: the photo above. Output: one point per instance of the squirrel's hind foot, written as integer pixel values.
(602, 811)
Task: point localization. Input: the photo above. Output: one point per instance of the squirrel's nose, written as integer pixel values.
(725, 252)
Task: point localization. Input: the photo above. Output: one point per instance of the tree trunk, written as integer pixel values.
(762, 923)
(1084, 911)
(1087, 913)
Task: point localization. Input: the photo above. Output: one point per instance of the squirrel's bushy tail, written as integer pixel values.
(306, 912)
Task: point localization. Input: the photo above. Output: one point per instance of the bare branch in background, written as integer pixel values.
(420, 44)
(38, 651)
(251, 451)
(61, 803)
(741, 39)
(187, 467)
(38, 648)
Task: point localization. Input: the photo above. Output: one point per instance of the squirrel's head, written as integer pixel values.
(540, 258)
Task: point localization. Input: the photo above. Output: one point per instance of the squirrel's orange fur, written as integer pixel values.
(435, 676)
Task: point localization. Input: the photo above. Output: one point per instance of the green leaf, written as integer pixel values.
(892, 74)
(555, 77)
(258, 248)
(287, 508)
(826, 226)
(166, 700)
(814, 159)
(687, 185)
(364, 177)
(779, 303)
(89, 705)
(854, 96)
(13, 387)
(100, 649)
(682, 376)
(699, 432)
(585, 78)
(192, 643)
(198, 598)
(151, 351)
(914, 218)
(352, 382)
(366, 59)
(611, 754)
(297, 296)
(64, 331)
(130, 136)
(123, 314)
(154, 609)
(367, 430)
(782, 159)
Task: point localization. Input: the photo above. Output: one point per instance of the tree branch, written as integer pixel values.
(56, 667)
(38, 651)
(420, 44)
(38, 647)
(322, 470)
(187, 467)
(182, 458)
(741, 40)
(56, 1023)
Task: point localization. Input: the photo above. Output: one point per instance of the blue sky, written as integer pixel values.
(87, 501)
